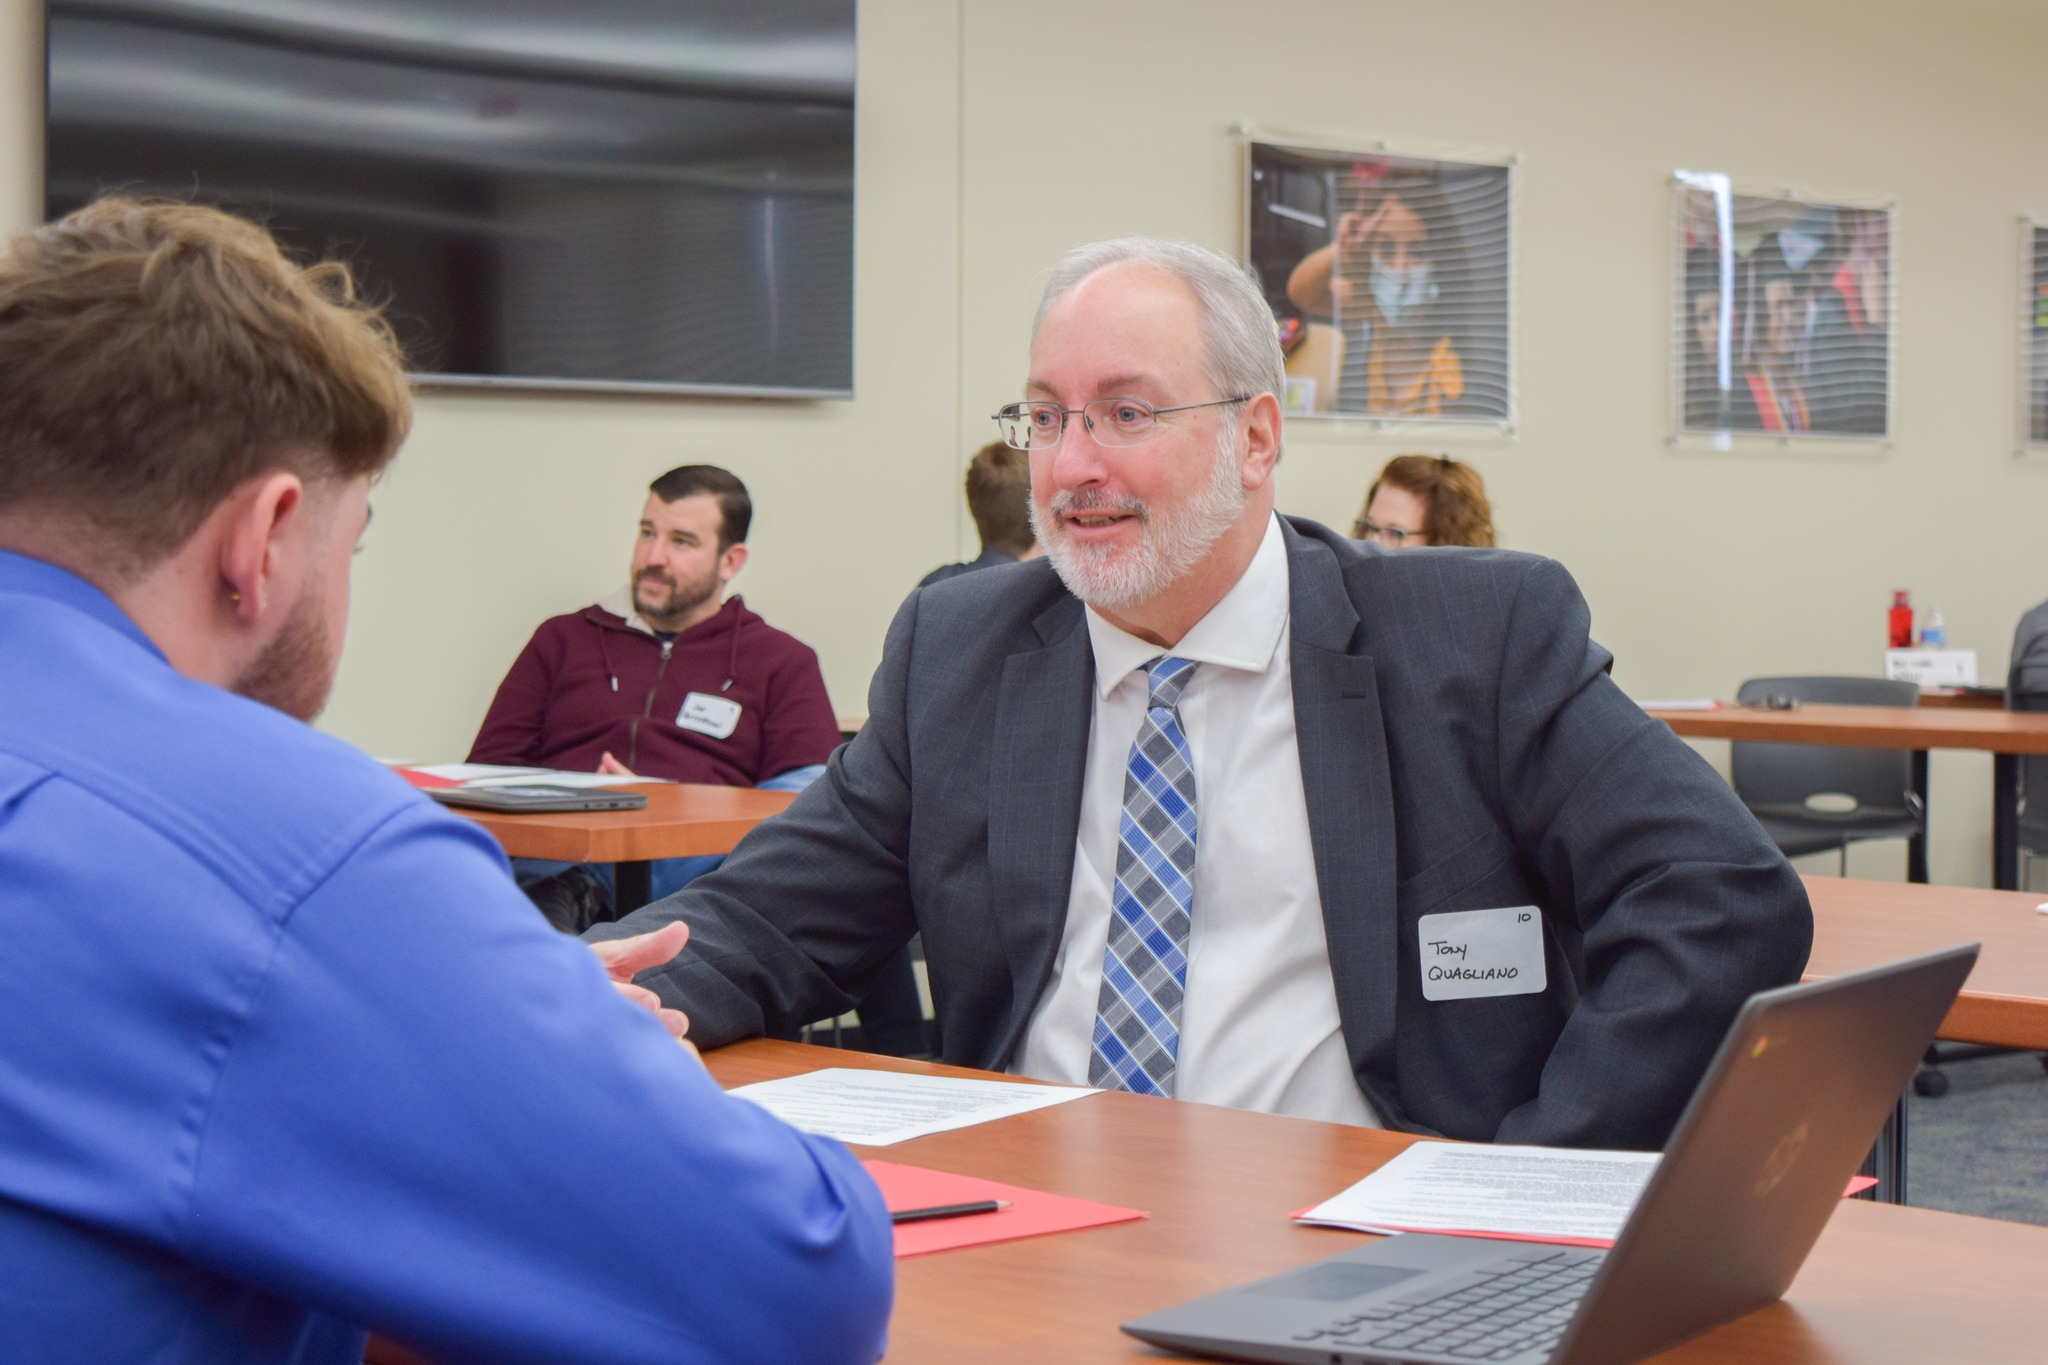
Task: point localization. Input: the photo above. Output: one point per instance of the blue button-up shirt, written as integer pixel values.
(284, 1054)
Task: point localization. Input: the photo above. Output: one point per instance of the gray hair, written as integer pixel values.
(1241, 343)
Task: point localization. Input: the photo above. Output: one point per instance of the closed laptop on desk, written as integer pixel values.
(1756, 1165)
(537, 798)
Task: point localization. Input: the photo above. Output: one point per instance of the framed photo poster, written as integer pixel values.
(2033, 337)
(1390, 279)
(1781, 316)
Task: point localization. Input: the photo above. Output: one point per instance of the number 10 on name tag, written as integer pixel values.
(1471, 953)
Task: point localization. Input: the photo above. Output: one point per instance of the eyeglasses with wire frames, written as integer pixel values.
(1110, 421)
(1393, 537)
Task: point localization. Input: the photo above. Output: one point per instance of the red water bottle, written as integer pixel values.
(1900, 618)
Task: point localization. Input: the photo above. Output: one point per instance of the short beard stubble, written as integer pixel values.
(682, 598)
(295, 671)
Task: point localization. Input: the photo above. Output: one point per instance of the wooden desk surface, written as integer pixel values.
(680, 820)
(1886, 1284)
(1957, 698)
(2005, 1001)
(1871, 727)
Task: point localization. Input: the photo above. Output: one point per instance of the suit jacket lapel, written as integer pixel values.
(1345, 779)
(1038, 761)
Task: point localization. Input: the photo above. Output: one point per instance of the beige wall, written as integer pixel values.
(975, 170)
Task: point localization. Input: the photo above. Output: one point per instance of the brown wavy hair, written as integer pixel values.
(157, 355)
(1454, 494)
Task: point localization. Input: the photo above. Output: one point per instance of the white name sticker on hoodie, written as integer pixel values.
(709, 715)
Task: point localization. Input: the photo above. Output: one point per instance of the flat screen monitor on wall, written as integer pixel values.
(548, 193)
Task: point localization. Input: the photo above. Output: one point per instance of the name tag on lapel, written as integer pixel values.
(1470, 953)
(709, 715)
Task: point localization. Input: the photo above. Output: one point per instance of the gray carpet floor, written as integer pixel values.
(1983, 1147)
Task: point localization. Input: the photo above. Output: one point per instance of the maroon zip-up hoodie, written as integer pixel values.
(589, 683)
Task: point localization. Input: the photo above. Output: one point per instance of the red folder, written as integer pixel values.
(1031, 1212)
(424, 780)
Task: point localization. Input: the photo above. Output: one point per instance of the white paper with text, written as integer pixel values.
(1543, 1193)
(498, 775)
(877, 1108)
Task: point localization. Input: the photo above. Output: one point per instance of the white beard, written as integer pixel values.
(1173, 539)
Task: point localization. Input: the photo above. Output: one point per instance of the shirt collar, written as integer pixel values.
(1242, 631)
(38, 578)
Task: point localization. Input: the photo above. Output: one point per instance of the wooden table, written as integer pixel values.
(2005, 1001)
(2003, 1004)
(2004, 734)
(1975, 699)
(1885, 1284)
(680, 820)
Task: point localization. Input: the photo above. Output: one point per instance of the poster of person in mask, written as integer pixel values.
(1389, 279)
(1783, 317)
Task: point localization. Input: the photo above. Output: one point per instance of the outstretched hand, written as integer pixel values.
(625, 958)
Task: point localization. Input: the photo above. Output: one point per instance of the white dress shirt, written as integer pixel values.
(1259, 1026)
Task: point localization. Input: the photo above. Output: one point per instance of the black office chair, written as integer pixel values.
(1814, 797)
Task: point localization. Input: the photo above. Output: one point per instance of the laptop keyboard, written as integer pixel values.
(1507, 1307)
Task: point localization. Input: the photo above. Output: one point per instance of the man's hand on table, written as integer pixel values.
(611, 767)
(625, 958)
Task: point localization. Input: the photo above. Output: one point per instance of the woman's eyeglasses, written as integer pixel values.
(1393, 537)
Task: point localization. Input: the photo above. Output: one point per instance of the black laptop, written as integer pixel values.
(538, 798)
(1756, 1165)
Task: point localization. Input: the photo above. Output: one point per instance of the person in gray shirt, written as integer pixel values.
(2028, 675)
(999, 500)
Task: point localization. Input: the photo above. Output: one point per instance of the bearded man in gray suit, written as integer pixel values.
(1216, 804)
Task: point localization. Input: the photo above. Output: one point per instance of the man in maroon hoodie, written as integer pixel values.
(671, 678)
(668, 677)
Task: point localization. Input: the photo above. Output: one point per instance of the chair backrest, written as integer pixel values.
(1784, 775)
(2033, 828)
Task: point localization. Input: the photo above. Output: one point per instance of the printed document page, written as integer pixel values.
(877, 1108)
(1541, 1193)
(497, 775)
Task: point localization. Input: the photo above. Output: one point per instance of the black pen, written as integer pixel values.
(948, 1211)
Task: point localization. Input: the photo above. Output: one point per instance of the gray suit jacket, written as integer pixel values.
(1461, 748)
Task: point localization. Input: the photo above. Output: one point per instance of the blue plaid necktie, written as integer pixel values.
(1145, 967)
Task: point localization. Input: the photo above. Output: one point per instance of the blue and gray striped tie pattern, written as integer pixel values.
(1145, 968)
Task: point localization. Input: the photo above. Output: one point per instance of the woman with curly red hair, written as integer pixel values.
(1426, 500)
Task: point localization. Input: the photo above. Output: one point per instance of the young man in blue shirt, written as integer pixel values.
(288, 1056)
